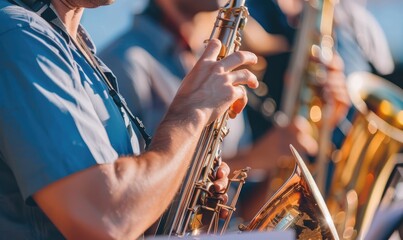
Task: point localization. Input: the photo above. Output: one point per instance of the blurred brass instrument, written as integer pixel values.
(303, 90)
(367, 157)
(297, 205)
(196, 208)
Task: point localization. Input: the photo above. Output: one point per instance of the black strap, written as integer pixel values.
(117, 98)
(120, 101)
(44, 9)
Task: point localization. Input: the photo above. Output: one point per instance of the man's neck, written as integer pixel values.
(69, 15)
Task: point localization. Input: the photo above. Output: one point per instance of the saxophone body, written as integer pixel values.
(196, 208)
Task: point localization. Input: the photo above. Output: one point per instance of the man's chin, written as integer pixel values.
(100, 3)
(109, 2)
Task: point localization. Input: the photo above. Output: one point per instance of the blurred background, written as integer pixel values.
(106, 23)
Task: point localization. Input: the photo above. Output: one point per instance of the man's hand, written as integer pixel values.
(220, 185)
(212, 86)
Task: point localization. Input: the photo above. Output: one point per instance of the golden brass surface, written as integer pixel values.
(367, 156)
(297, 205)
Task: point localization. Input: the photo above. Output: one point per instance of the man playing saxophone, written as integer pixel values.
(169, 35)
(70, 162)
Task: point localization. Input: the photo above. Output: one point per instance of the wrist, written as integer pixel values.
(183, 114)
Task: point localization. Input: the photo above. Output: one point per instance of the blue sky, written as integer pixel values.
(106, 23)
(389, 14)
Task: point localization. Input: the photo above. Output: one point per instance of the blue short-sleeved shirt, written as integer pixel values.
(56, 118)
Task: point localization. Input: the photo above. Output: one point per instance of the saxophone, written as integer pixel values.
(196, 208)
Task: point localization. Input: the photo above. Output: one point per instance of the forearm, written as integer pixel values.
(157, 174)
(121, 200)
(165, 164)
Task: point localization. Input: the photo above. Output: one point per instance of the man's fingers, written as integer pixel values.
(223, 170)
(240, 103)
(230, 62)
(221, 182)
(212, 50)
(238, 79)
(243, 77)
(224, 212)
(237, 59)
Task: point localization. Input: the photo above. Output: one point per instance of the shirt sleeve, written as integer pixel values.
(48, 126)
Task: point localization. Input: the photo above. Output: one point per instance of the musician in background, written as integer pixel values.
(282, 18)
(357, 52)
(70, 165)
(157, 51)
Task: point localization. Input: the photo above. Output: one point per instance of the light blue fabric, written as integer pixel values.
(56, 118)
(146, 60)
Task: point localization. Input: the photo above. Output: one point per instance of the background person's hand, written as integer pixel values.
(335, 88)
(274, 145)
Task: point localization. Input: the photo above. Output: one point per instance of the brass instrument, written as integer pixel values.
(196, 208)
(303, 89)
(367, 157)
(297, 205)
